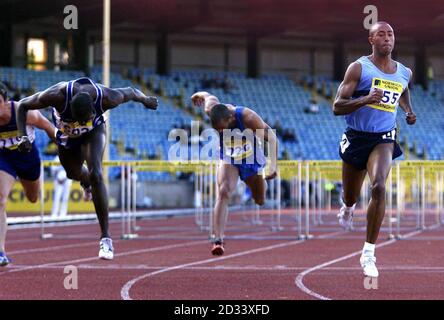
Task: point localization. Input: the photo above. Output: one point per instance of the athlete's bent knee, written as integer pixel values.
(224, 193)
(378, 190)
(95, 177)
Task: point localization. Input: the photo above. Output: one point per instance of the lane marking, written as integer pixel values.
(124, 293)
(300, 277)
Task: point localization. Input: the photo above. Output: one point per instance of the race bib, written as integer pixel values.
(238, 150)
(9, 140)
(392, 92)
(9, 134)
(74, 129)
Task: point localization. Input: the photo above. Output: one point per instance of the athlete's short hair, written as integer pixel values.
(219, 112)
(82, 106)
(375, 26)
(3, 91)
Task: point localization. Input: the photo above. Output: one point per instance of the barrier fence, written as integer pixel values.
(302, 201)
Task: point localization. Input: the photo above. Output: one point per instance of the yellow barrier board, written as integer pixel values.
(17, 201)
(328, 169)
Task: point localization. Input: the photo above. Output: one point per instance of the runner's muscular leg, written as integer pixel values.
(227, 176)
(72, 161)
(93, 150)
(32, 189)
(258, 187)
(6, 183)
(352, 179)
(378, 167)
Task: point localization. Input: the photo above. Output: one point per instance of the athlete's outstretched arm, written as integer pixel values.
(114, 97)
(53, 96)
(36, 119)
(343, 103)
(406, 104)
(204, 99)
(264, 132)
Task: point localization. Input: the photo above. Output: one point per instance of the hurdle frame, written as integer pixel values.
(426, 183)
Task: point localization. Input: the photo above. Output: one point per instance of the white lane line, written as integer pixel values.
(89, 235)
(120, 267)
(67, 246)
(124, 293)
(159, 236)
(299, 279)
(36, 237)
(127, 253)
(132, 252)
(75, 245)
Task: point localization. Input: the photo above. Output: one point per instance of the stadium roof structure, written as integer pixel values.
(421, 21)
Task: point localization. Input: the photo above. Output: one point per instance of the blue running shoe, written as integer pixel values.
(4, 260)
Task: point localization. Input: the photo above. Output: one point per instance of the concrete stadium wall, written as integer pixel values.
(292, 54)
(287, 56)
(436, 58)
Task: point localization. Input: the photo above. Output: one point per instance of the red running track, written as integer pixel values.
(172, 261)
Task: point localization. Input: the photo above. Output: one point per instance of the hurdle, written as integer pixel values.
(43, 234)
(83, 217)
(203, 187)
(296, 173)
(415, 197)
(424, 180)
(411, 179)
(128, 188)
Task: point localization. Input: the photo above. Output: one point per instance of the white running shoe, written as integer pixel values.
(368, 264)
(345, 217)
(106, 249)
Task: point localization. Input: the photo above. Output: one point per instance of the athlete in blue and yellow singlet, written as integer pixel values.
(242, 136)
(14, 164)
(78, 114)
(373, 89)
